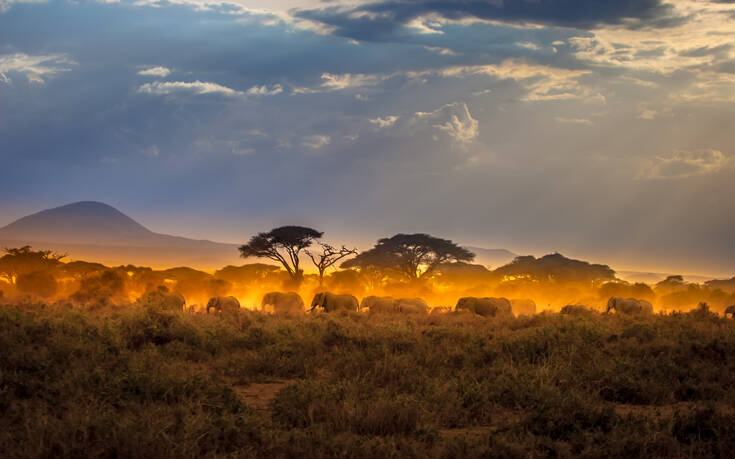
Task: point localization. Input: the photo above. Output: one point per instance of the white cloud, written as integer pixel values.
(35, 68)
(647, 113)
(348, 80)
(316, 142)
(160, 72)
(265, 90)
(386, 122)
(584, 121)
(454, 120)
(345, 81)
(197, 87)
(440, 50)
(683, 164)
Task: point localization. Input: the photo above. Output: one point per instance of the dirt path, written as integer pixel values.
(259, 395)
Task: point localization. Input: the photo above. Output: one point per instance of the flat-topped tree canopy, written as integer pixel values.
(282, 244)
(412, 256)
(556, 267)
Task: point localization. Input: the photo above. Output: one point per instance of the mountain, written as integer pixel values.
(95, 231)
(492, 257)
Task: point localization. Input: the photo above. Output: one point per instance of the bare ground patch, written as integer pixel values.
(501, 418)
(259, 395)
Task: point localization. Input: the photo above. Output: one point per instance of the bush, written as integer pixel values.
(40, 283)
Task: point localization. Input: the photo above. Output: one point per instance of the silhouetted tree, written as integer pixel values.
(671, 284)
(283, 245)
(411, 256)
(26, 260)
(247, 274)
(555, 267)
(727, 285)
(80, 269)
(328, 257)
(462, 273)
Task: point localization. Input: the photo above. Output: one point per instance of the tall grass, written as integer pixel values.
(135, 382)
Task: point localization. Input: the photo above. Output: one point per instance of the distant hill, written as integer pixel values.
(95, 231)
(492, 257)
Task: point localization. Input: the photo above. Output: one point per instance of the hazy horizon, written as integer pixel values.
(364, 245)
(597, 129)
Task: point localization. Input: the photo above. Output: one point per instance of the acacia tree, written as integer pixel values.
(328, 257)
(412, 257)
(25, 260)
(283, 244)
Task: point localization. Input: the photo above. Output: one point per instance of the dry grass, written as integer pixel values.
(131, 382)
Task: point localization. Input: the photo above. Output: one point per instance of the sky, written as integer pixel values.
(602, 129)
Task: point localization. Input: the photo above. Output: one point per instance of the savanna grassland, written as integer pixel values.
(140, 382)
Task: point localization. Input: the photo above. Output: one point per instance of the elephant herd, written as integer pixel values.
(290, 303)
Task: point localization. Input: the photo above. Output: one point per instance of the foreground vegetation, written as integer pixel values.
(137, 382)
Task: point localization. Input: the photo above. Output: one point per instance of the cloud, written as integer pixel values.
(541, 81)
(197, 87)
(706, 50)
(376, 20)
(316, 141)
(646, 113)
(341, 82)
(683, 164)
(563, 120)
(160, 72)
(35, 67)
(348, 81)
(265, 90)
(454, 120)
(386, 122)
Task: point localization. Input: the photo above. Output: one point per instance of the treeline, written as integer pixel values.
(405, 265)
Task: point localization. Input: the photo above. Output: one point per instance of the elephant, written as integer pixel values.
(223, 305)
(523, 307)
(575, 309)
(412, 306)
(489, 307)
(440, 310)
(283, 303)
(629, 306)
(331, 302)
(162, 299)
(378, 304)
(730, 310)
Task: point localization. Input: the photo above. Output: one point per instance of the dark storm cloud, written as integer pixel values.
(382, 19)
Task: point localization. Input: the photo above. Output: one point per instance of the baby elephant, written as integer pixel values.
(223, 305)
(629, 306)
(488, 307)
(379, 304)
(283, 303)
(412, 306)
(331, 302)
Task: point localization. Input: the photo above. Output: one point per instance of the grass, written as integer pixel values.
(131, 382)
